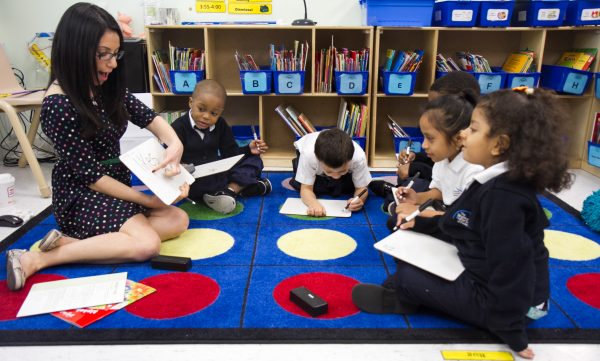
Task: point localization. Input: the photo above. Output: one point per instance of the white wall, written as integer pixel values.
(21, 19)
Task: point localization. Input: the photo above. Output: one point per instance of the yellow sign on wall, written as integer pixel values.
(210, 6)
(246, 7)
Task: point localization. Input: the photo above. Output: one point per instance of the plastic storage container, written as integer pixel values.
(288, 82)
(243, 134)
(439, 74)
(491, 81)
(256, 81)
(530, 80)
(399, 83)
(351, 82)
(415, 136)
(539, 13)
(597, 87)
(495, 13)
(411, 13)
(455, 13)
(594, 154)
(583, 12)
(184, 81)
(565, 80)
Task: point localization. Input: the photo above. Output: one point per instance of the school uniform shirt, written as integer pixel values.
(452, 178)
(204, 146)
(309, 166)
(497, 225)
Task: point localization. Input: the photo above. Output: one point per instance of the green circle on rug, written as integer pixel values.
(201, 212)
(316, 244)
(306, 218)
(548, 213)
(570, 247)
(198, 243)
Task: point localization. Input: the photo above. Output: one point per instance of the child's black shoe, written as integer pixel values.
(376, 299)
(381, 188)
(221, 201)
(260, 188)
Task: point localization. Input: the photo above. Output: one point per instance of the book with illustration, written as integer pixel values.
(82, 317)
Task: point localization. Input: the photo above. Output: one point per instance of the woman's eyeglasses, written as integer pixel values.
(106, 56)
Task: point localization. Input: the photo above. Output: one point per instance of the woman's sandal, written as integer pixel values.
(15, 276)
(48, 243)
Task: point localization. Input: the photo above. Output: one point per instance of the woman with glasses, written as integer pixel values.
(101, 218)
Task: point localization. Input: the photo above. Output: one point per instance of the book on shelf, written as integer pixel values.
(171, 115)
(580, 59)
(283, 114)
(352, 118)
(595, 136)
(519, 62)
(161, 68)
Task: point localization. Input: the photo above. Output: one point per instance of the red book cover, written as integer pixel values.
(81, 317)
(596, 129)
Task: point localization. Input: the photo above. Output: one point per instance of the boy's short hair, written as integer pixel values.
(334, 147)
(210, 86)
(454, 82)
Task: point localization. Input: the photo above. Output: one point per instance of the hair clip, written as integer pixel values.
(523, 89)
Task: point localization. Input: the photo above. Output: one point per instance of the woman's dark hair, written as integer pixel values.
(74, 50)
(534, 122)
(451, 113)
(334, 147)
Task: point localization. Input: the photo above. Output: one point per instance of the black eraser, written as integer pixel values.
(171, 263)
(308, 301)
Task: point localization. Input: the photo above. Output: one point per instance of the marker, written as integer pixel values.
(356, 198)
(189, 200)
(255, 136)
(414, 214)
(409, 185)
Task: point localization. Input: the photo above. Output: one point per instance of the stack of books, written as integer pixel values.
(352, 60)
(352, 118)
(245, 62)
(298, 122)
(406, 61)
(520, 62)
(161, 71)
(396, 130)
(289, 60)
(324, 62)
(465, 61)
(186, 58)
(595, 137)
(171, 115)
(580, 59)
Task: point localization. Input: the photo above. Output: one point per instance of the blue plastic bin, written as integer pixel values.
(539, 13)
(411, 13)
(415, 136)
(530, 80)
(243, 134)
(564, 79)
(184, 81)
(494, 13)
(256, 81)
(594, 154)
(439, 74)
(597, 88)
(399, 82)
(288, 82)
(455, 13)
(351, 82)
(583, 12)
(491, 81)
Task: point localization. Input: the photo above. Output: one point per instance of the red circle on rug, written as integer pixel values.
(334, 288)
(586, 288)
(177, 295)
(12, 300)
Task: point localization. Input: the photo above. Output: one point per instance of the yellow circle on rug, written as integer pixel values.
(316, 244)
(570, 247)
(198, 243)
(36, 246)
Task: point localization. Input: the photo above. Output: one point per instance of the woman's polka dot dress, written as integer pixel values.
(80, 211)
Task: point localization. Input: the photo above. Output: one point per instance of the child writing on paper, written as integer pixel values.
(497, 224)
(410, 163)
(330, 163)
(207, 137)
(85, 112)
(441, 123)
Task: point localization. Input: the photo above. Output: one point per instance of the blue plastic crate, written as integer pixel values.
(530, 80)
(597, 88)
(439, 74)
(454, 13)
(491, 81)
(410, 13)
(583, 12)
(256, 81)
(415, 136)
(351, 82)
(564, 79)
(184, 81)
(288, 82)
(594, 154)
(243, 134)
(539, 13)
(495, 13)
(399, 82)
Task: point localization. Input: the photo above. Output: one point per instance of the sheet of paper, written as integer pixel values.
(215, 167)
(423, 251)
(333, 207)
(143, 158)
(72, 293)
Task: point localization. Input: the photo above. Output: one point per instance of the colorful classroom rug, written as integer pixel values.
(245, 264)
